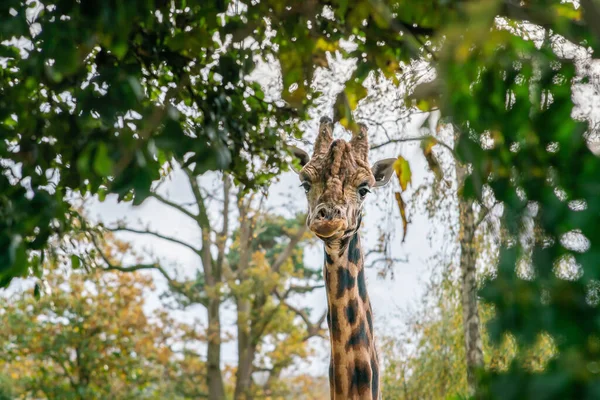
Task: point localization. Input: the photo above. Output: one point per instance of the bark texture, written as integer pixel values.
(214, 379)
(468, 258)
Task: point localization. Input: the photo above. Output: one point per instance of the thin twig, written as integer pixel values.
(414, 139)
(132, 268)
(156, 234)
(174, 205)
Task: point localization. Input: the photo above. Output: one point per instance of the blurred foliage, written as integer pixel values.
(427, 360)
(86, 336)
(302, 387)
(520, 94)
(6, 388)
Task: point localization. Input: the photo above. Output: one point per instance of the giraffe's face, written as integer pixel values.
(336, 181)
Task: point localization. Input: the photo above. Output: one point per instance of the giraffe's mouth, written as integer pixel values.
(326, 228)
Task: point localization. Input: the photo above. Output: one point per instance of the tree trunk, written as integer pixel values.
(468, 257)
(246, 352)
(214, 379)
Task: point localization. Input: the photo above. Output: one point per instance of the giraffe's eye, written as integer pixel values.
(362, 191)
(306, 186)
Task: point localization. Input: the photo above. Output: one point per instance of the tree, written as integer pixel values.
(269, 273)
(427, 360)
(256, 264)
(87, 337)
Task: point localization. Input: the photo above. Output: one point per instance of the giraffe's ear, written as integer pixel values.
(300, 155)
(382, 171)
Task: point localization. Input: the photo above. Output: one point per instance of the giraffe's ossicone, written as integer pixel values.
(337, 179)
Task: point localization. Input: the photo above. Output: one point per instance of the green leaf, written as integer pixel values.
(102, 193)
(119, 48)
(75, 262)
(102, 162)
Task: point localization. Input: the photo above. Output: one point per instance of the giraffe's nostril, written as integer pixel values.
(335, 213)
(329, 213)
(323, 214)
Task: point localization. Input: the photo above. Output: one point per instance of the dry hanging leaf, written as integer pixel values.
(427, 146)
(402, 206)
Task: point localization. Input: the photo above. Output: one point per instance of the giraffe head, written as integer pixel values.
(337, 179)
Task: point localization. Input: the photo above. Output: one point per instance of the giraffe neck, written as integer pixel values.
(354, 368)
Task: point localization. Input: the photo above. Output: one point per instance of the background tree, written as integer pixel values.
(249, 256)
(428, 358)
(270, 272)
(441, 158)
(87, 337)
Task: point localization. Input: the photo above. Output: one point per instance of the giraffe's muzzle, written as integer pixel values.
(326, 221)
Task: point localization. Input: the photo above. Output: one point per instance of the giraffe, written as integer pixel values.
(336, 179)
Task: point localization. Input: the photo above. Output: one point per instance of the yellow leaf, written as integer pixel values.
(355, 92)
(403, 172)
(324, 45)
(462, 52)
(428, 143)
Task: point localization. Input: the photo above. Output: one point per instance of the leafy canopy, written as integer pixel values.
(97, 98)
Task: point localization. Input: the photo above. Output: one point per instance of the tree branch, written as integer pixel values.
(174, 205)
(204, 224)
(67, 374)
(156, 234)
(222, 236)
(312, 329)
(110, 266)
(303, 289)
(137, 267)
(413, 139)
(289, 248)
(202, 217)
(484, 213)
